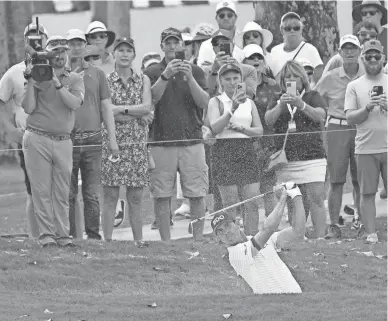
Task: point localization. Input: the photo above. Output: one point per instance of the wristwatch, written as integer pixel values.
(164, 77)
(126, 110)
(59, 87)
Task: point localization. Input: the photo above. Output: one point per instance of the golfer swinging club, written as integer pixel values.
(255, 258)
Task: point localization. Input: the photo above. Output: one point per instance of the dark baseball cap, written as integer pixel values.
(373, 45)
(219, 219)
(129, 41)
(171, 32)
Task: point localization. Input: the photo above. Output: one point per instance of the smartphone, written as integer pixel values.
(114, 160)
(241, 88)
(226, 47)
(291, 87)
(379, 90)
(180, 55)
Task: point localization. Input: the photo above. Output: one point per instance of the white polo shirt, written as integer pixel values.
(265, 272)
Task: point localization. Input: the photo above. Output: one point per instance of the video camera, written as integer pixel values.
(40, 59)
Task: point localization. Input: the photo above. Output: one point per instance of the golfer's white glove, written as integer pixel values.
(292, 189)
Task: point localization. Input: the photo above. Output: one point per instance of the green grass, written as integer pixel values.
(116, 281)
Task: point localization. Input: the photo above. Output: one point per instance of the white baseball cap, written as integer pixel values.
(75, 34)
(251, 49)
(226, 5)
(349, 39)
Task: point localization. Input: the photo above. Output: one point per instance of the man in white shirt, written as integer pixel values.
(226, 16)
(294, 47)
(255, 258)
(11, 93)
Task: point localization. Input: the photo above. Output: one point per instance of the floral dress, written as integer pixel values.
(132, 168)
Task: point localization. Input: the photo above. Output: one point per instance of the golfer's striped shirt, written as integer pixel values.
(265, 272)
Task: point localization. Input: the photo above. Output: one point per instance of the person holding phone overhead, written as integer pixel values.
(131, 98)
(301, 110)
(180, 95)
(366, 107)
(233, 119)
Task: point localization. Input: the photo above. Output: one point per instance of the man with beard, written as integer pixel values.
(255, 258)
(366, 107)
(47, 146)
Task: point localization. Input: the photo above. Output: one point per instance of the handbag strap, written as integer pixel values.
(298, 51)
(285, 140)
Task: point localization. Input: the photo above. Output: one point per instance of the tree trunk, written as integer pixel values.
(14, 16)
(114, 14)
(319, 19)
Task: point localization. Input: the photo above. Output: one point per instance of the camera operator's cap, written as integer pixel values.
(251, 49)
(226, 5)
(349, 39)
(229, 67)
(97, 26)
(150, 58)
(91, 50)
(55, 42)
(219, 219)
(75, 34)
(121, 40)
(373, 45)
(289, 15)
(171, 32)
(32, 27)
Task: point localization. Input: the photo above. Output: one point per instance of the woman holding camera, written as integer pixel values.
(301, 112)
(233, 119)
(131, 97)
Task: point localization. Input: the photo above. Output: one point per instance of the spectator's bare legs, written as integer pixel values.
(134, 200)
(111, 196)
(229, 196)
(197, 210)
(368, 207)
(33, 228)
(316, 200)
(357, 199)
(162, 208)
(251, 220)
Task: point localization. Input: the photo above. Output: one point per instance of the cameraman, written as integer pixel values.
(11, 91)
(51, 106)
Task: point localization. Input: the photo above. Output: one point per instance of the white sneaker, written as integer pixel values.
(372, 238)
(184, 209)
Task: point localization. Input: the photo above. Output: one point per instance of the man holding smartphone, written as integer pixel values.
(366, 107)
(180, 95)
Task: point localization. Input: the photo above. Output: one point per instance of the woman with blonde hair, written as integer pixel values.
(234, 119)
(301, 113)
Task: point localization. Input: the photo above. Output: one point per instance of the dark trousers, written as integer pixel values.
(88, 160)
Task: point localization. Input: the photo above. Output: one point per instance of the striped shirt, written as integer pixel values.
(265, 272)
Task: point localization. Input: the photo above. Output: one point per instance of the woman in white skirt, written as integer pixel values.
(303, 115)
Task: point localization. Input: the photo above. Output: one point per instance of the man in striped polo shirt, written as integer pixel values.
(255, 258)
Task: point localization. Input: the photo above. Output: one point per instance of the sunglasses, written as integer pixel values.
(96, 36)
(370, 12)
(309, 72)
(368, 57)
(93, 57)
(254, 34)
(62, 42)
(365, 34)
(223, 15)
(254, 56)
(295, 28)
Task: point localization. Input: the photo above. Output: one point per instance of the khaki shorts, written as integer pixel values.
(340, 153)
(369, 168)
(191, 164)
